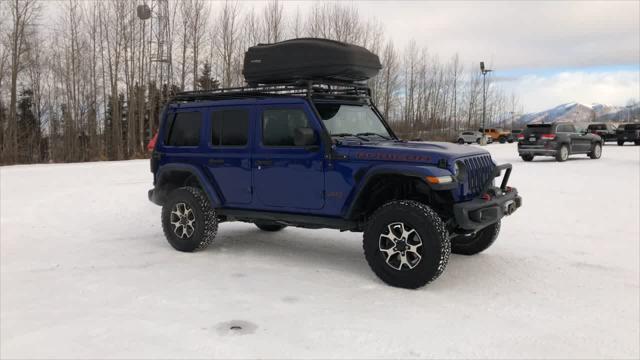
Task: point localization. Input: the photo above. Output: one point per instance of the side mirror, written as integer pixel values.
(306, 137)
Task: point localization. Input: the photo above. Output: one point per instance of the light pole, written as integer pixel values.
(484, 71)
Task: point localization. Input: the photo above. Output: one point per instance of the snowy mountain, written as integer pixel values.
(581, 113)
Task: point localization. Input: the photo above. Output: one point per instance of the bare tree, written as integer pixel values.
(23, 13)
(273, 21)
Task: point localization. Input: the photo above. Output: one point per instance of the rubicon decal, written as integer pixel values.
(392, 157)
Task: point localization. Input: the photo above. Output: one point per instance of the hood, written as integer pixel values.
(422, 152)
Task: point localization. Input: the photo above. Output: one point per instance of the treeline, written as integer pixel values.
(89, 83)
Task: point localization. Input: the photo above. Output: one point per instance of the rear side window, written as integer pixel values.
(538, 129)
(566, 128)
(278, 126)
(230, 128)
(184, 129)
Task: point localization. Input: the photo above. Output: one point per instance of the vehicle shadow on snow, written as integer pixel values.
(307, 251)
(298, 248)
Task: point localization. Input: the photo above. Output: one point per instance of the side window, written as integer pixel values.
(571, 128)
(278, 126)
(229, 128)
(184, 129)
(564, 128)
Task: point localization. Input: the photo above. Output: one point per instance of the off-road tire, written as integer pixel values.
(477, 243)
(559, 153)
(595, 154)
(527, 157)
(206, 222)
(620, 143)
(434, 251)
(269, 226)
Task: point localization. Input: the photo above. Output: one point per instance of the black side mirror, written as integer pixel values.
(304, 136)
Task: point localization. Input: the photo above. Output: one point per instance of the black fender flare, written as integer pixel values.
(208, 185)
(411, 171)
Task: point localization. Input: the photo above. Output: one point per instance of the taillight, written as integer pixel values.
(520, 136)
(548, 136)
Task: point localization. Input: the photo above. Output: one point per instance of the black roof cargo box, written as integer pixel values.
(308, 59)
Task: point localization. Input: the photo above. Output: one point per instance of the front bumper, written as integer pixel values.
(480, 213)
(494, 204)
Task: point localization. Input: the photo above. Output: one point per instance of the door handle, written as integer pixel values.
(264, 162)
(216, 161)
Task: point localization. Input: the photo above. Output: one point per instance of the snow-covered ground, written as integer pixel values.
(86, 273)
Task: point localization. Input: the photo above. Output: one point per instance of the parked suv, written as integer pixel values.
(605, 130)
(470, 137)
(628, 132)
(318, 155)
(559, 140)
(498, 135)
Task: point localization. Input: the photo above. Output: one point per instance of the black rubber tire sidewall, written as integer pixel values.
(559, 154)
(435, 243)
(206, 225)
(592, 153)
(478, 243)
(527, 157)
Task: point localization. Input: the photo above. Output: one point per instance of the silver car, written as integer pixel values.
(470, 137)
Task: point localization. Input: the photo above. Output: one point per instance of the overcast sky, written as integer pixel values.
(549, 52)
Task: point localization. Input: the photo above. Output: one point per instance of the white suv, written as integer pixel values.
(469, 137)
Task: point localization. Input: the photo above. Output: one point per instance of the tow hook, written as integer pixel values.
(509, 207)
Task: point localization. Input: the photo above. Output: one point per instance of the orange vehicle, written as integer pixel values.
(499, 135)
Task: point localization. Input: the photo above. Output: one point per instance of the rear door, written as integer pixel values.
(229, 155)
(287, 177)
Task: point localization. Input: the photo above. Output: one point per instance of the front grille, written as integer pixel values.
(479, 171)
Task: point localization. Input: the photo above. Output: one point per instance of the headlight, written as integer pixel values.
(459, 171)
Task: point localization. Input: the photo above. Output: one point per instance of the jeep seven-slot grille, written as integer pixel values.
(479, 171)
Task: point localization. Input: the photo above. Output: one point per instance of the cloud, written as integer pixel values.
(537, 93)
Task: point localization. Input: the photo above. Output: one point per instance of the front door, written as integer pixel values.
(229, 155)
(286, 176)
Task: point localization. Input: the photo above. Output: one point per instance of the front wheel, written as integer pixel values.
(596, 152)
(406, 244)
(479, 242)
(563, 153)
(461, 141)
(188, 222)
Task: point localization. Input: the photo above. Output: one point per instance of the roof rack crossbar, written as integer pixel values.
(308, 88)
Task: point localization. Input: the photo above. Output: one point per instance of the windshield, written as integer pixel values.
(537, 129)
(597, 127)
(351, 120)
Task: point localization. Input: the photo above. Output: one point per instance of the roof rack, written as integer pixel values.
(323, 89)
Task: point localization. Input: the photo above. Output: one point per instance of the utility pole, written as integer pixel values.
(484, 72)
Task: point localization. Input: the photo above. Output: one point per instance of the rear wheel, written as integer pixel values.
(479, 242)
(596, 151)
(502, 139)
(563, 153)
(188, 222)
(527, 157)
(406, 244)
(264, 226)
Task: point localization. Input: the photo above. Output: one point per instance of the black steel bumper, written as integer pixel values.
(479, 213)
(494, 204)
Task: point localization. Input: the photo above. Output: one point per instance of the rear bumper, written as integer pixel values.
(480, 213)
(536, 150)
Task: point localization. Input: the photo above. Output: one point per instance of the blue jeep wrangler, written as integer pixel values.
(320, 155)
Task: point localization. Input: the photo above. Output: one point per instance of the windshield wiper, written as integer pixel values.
(372, 134)
(350, 135)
